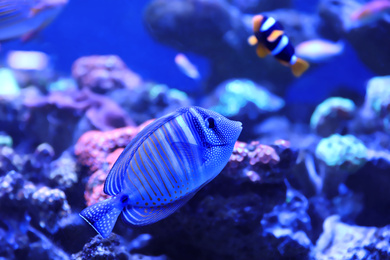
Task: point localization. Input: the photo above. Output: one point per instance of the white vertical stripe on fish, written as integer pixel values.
(267, 24)
(283, 43)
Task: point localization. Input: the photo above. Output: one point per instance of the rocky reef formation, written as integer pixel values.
(289, 191)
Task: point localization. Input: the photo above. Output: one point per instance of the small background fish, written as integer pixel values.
(318, 50)
(186, 66)
(270, 38)
(371, 12)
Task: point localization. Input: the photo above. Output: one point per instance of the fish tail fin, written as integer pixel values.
(102, 216)
(299, 67)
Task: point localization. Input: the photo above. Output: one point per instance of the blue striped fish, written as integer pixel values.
(23, 18)
(270, 38)
(163, 167)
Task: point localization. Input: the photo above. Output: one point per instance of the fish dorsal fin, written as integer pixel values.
(192, 153)
(274, 35)
(142, 216)
(257, 21)
(261, 50)
(114, 181)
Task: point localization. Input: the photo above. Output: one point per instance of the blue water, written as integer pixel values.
(98, 27)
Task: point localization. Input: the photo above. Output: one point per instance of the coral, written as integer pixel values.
(150, 101)
(50, 205)
(93, 147)
(104, 73)
(234, 95)
(339, 156)
(342, 152)
(255, 161)
(102, 112)
(5, 140)
(244, 100)
(15, 192)
(94, 188)
(330, 114)
(9, 160)
(9, 86)
(63, 172)
(378, 95)
(36, 166)
(342, 241)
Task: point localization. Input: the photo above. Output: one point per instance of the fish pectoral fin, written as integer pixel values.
(193, 153)
(299, 67)
(274, 35)
(262, 51)
(142, 216)
(103, 215)
(252, 40)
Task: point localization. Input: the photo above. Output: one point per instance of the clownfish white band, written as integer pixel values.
(267, 24)
(283, 43)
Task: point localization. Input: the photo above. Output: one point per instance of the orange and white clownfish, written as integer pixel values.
(270, 39)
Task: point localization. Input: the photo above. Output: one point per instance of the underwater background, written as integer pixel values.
(308, 178)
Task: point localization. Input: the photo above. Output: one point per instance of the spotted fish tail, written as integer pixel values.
(103, 215)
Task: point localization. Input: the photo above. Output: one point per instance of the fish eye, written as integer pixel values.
(210, 122)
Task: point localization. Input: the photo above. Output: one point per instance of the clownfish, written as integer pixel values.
(270, 39)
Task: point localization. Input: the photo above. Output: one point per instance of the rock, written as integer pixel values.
(109, 248)
(342, 241)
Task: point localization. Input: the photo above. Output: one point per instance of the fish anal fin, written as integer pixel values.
(275, 35)
(142, 216)
(262, 51)
(299, 67)
(257, 20)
